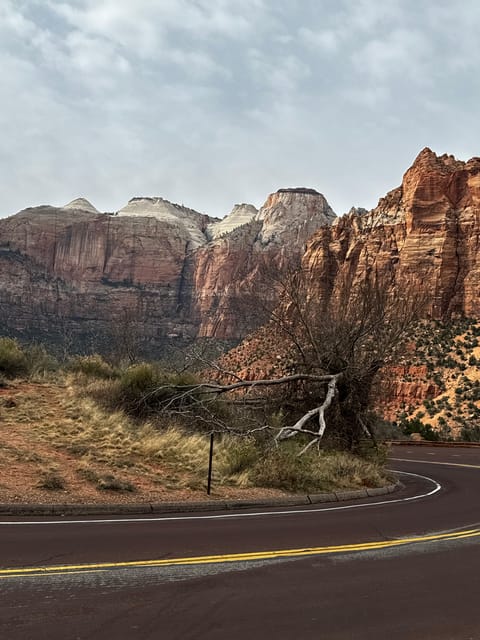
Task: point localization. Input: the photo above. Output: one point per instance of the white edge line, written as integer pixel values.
(224, 516)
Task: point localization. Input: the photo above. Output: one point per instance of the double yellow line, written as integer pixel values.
(233, 557)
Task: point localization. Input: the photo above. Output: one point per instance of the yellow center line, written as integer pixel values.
(235, 557)
(57, 573)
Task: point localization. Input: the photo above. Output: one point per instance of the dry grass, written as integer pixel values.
(57, 445)
(50, 436)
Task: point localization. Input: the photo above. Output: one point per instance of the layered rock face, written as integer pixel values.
(240, 215)
(307, 207)
(424, 235)
(68, 270)
(232, 265)
(162, 269)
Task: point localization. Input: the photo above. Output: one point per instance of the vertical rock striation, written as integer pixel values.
(424, 235)
(175, 272)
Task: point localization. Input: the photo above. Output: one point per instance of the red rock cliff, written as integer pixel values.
(424, 234)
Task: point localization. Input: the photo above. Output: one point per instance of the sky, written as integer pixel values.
(209, 103)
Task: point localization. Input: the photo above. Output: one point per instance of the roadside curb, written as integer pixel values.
(190, 507)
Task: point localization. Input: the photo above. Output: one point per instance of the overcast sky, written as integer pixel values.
(214, 102)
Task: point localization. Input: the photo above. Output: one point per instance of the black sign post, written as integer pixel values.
(210, 461)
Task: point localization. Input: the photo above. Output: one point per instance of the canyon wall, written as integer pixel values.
(424, 235)
(159, 269)
(167, 271)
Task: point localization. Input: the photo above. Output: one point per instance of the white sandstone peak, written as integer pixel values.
(188, 220)
(293, 215)
(81, 204)
(241, 214)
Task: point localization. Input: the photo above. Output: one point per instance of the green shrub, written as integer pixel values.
(13, 362)
(93, 366)
(145, 391)
(39, 361)
(470, 433)
(417, 426)
(143, 388)
(281, 468)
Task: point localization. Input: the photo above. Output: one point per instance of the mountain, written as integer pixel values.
(158, 269)
(425, 234)
(164, 270)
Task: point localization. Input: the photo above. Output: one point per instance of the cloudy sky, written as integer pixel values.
(213, 102)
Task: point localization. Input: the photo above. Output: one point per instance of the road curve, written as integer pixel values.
(402, 566)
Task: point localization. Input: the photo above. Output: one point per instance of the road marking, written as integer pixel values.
(448, 464)
(41, 573)
(235, 557)
(226, 516)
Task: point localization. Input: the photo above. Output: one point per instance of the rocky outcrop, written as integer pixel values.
(424, 235)
(81, 204)
(306, 207)
(240, 215)
(423, 238)
(229, 269)
(403, 387)
(190, 224)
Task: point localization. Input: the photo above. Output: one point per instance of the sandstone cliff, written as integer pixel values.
(174, 271)
(226, 270)
(160, 269)
(425, 234)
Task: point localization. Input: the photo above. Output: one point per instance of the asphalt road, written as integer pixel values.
(404, 566)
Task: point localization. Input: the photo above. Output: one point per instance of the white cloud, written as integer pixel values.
(213, 101)
(398, 52)
(326, 40)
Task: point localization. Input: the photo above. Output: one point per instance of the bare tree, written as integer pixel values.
(332, 351)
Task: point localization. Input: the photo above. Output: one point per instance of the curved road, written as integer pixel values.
(404, 566)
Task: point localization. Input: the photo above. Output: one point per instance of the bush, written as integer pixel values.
(13, 362)
(238, 455)
(39, 361)
(52, 481)
(110, 483)
(31, 360)
(145, 390)
(93, 366)
(470, 434)
(417, 426)
(282, 468)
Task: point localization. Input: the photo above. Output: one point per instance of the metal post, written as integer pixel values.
(210, 461)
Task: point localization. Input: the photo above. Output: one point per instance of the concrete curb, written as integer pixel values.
(189, 507)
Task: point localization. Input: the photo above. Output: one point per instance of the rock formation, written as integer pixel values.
(229, 266)
(240, 215)
(424, 235)
(168, 270)
(159, 268)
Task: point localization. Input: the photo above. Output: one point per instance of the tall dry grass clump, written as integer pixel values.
(17, 361)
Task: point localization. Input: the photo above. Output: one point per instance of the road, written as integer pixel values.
(402, 566)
